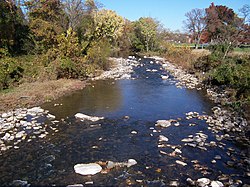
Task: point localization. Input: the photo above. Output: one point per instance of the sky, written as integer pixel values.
(170, 13)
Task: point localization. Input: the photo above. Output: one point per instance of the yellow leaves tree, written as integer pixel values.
(107, 25)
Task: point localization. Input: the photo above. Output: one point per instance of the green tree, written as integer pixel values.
(46, 20)
(146, 31)
(13, 30)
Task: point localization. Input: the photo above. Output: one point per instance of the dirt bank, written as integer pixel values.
(34, 94)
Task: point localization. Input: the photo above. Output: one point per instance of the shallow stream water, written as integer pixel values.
(127, 105)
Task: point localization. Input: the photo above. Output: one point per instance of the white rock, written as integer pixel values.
(6, 136)
(163, 138)
(187, 140)
(216, 184)
(181, 163)
(202, 182)
(163, 123)
(36, 110)
(50, 116)
(131, 162)
(164, 65)
(87, 169)
(133, 132)
(20, 134)
(164, 77)
(75, 185)
(86, 117)
(178, 151)
(174, 183)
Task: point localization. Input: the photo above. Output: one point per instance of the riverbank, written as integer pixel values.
(34, 94)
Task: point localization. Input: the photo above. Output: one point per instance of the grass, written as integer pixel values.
(245, 50)
(33, 94)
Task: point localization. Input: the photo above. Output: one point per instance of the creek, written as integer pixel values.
(131, 108)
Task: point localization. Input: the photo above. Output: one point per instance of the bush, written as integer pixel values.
(98, 54)
(10, 72)
(234, 72)
(208, 62)
(220, 50)
(180, 55)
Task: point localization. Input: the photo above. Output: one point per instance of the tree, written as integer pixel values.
(195, 23)
(13, 30)
(146, 31)
(74, 10)
(106, 24)
(245, 13)
(223, 26)
(46, 21)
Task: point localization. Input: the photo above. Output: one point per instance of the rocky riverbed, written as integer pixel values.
(24, 125)
(122, 69)
(222, 128)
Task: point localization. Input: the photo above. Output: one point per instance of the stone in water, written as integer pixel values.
(87, 169)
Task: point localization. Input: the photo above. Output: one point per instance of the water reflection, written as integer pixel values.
(96, 99)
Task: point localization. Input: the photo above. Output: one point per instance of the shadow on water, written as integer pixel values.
(146, 99)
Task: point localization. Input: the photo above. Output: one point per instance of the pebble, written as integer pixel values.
(216, 184)
(134, 132)
(202, 182)
(163, 138)
(163, 123)
(181, 163)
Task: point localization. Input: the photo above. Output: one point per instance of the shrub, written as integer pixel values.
(234, 72)
(180, 55)
(98, 54)
(10, 72)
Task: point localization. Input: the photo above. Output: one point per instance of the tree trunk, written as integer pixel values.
(226, 51)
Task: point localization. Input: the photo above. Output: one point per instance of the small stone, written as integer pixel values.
(217, 157)
(19, 183)
(89, 182)
(89, 118)
(131, 162)
(6, 136)
(181, 163)
(216, 184)
(178, 151)
(174, 183)
(202, 182)
(163, 138)
(190, 182)
(110, 165)
(213, 161)
(177, 124)
(50, 116)
(75, 185)
(42, 136)
(87, 169)
(163, 123)
(212, 144)
(187, 140)
(133, 132)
